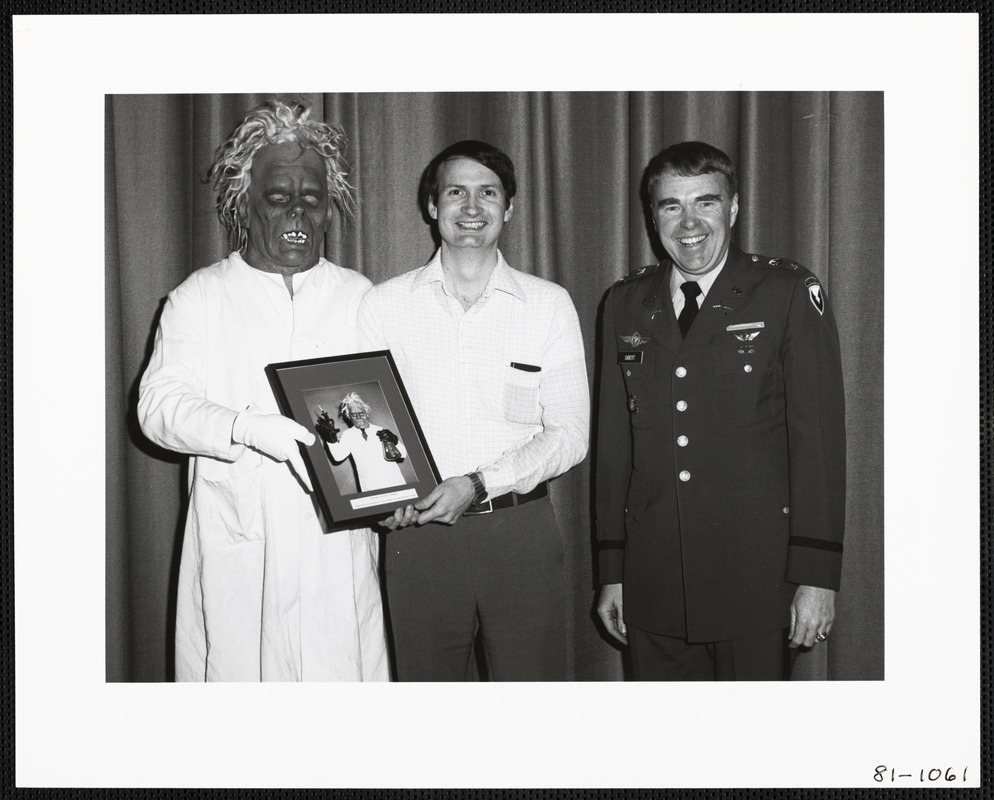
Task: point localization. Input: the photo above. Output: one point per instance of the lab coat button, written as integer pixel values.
(681, 372)
(747, 367)
(684, 475)
(682, 441)
(681, 405)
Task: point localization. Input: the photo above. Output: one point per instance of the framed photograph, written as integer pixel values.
(370, 455)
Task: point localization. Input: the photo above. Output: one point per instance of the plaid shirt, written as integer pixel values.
(501, 387)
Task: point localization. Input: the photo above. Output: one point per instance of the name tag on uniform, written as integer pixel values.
(630, 357)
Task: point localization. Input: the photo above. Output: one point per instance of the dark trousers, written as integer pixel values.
(499, 574)
(765, 657)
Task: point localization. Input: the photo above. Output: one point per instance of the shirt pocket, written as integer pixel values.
(226, 500)
(520, 393)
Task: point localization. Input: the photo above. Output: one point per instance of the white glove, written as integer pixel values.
(276, 436)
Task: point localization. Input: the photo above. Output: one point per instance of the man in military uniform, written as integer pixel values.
(721, 444)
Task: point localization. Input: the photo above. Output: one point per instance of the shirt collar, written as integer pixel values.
(299, 278)
(501, 279)
(430, 272)
(705, 282)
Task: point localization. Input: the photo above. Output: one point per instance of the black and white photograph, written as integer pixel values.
(505, 416)
(368, 455)
(353, 445)
(709, 457)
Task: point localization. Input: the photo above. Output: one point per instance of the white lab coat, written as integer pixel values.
(374, 471)
(264, 592)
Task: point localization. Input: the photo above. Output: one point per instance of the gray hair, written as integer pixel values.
(275, 122)
(350, 404)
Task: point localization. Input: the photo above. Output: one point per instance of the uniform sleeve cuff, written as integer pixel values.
(814, 565)
(610, 562)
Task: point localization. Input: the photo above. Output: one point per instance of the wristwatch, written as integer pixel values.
(478, 488)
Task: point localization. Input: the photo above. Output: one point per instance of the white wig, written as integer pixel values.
(352, 403)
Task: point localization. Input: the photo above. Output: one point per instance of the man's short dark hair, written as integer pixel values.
(480, 152)
(690, 159)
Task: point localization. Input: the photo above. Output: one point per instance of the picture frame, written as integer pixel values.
(358, 478)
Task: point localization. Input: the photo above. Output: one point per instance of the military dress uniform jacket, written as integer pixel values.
(720, 458)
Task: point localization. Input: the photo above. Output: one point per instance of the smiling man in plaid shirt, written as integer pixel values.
(493, 361)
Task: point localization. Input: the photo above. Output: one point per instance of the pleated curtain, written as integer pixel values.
(811, 178)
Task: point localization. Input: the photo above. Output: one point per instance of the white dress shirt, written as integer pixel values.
(500, 387)
(705, 283)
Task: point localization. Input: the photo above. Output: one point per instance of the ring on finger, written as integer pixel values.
(821, 637)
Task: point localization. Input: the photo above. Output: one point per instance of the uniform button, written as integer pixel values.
(747, 367)
(681, 371)
(684, 475)
(786, 509)
(628, 372)
(681, 405)
(682, 441)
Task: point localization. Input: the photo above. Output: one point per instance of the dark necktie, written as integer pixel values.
(686, 318)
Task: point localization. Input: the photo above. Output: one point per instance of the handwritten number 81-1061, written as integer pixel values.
(934, 775)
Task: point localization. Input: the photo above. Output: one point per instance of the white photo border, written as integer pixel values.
(74, 729)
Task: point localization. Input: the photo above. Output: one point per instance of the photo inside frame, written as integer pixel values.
(369, 456)
(363, 457)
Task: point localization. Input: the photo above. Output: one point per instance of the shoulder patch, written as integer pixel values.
(815, 294)
(639, 272)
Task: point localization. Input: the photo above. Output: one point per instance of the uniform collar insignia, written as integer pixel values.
(649, 302)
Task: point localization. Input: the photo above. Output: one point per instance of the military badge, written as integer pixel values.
(745, 332)
(749, 330)
(633, 404)
(815, 295)
(636, 339)
(638, 273)
(649, 302)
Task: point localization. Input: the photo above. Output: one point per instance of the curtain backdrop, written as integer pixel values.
(811, 189)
